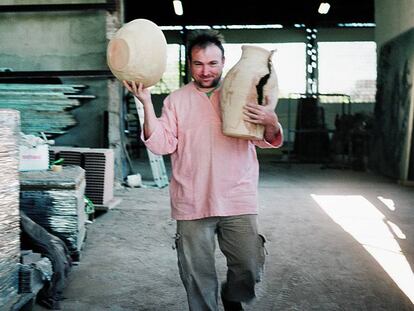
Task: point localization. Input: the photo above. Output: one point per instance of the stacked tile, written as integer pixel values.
(51, 156)
(9, 207)
(71, 156)
(43, 107)
(55, 201)
(99, 167)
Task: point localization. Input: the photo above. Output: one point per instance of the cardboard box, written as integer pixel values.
(34, 158)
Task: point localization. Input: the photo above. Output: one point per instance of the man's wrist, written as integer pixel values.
(275, 127)
(145, 102)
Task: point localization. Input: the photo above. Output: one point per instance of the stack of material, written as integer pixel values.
(36, 238)
(34, 271)
(44, 107)
(51, 157)
(9, 207)
(55, 201)
(99, 166)
(71, 157)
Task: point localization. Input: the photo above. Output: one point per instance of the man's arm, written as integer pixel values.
(158, 134)
(144, 96)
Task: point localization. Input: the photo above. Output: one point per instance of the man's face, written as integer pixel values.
(206, 66)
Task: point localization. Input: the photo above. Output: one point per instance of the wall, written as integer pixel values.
(392, 18)
(59, 41)
(53, 41)
(90, 131)
(70, 41)
(394, 107)
(395, 98)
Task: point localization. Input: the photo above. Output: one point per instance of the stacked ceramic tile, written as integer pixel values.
(51, 156)
(43, 107)
(71, 156)
(55, 200)
(99, 167)
(9, 207)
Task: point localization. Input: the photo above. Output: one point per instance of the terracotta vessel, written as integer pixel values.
(252, 79)
(138, 52)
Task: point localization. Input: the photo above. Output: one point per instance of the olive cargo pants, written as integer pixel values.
(240, 243)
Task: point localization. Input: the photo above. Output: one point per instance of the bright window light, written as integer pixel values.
(356, 25)
(171, 27)
(191, 27)
(267, 26)
(170, 80)
(357, 63)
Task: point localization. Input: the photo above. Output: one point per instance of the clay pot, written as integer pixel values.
(252, 79)
(138, 52)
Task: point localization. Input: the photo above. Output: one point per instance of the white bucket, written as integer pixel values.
(134, 180)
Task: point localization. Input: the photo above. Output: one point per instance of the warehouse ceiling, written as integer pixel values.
(257, 12)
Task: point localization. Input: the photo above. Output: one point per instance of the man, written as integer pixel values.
(214, 179)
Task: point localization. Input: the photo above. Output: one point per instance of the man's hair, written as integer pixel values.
(204, 38)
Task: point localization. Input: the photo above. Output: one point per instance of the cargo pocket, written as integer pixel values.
(176, 238)
(261, 257)
(178, 246)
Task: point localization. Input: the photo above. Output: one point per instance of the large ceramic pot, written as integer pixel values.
(252, 79)
(138, 52)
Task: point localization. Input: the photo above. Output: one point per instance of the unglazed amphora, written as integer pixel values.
(252, 79)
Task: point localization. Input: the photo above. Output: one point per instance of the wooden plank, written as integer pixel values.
(75, 88)
(43, 107)
(39, 104)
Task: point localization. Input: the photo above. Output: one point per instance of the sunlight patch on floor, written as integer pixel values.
(361, 219)
(387, 202)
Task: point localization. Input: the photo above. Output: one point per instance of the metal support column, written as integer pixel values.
(311, 61)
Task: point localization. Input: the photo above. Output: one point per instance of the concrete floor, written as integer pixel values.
(333, 245)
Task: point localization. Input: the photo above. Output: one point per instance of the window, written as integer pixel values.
(289, 61)
(171, 79)
(348, 68)
(344, 68)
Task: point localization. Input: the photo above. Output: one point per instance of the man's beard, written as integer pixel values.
(213, 83)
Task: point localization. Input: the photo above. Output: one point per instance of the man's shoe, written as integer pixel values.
(231, 305)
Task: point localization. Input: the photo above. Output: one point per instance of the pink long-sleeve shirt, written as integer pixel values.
(212, 174)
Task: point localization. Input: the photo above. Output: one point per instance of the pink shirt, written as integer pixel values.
(212, 174)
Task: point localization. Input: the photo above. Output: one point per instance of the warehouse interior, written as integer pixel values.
(336, 200)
